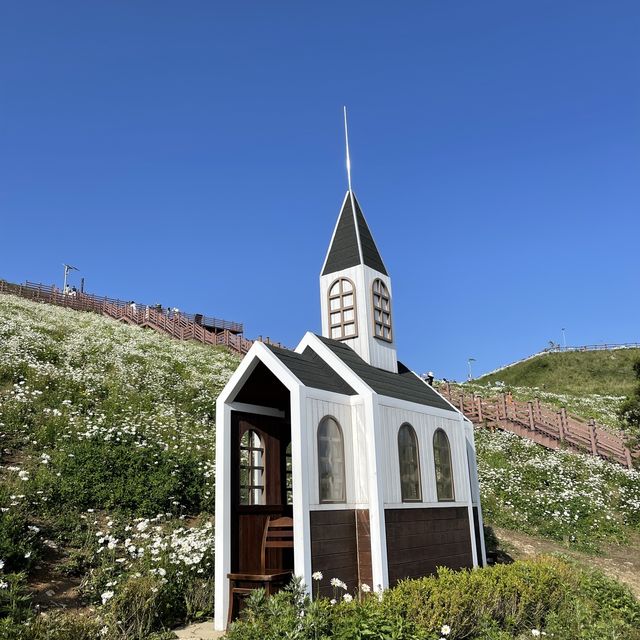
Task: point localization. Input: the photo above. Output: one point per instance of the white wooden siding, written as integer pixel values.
(354, 439)
(425, 425)
(378, 353)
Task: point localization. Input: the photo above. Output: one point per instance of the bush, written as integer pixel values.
(496, 603)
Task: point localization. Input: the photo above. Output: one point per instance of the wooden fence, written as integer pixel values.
(178, 325)
(550, 427)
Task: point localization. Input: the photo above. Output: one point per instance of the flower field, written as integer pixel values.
(108, 463)
(107, 480)
(574, 498)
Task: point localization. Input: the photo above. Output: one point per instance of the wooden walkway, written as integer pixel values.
(545, 425)
(178, 325)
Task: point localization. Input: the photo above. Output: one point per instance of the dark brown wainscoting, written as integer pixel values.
(341, 548)
(419, 540)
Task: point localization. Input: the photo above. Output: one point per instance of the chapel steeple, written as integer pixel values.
(355, 288)
(352, 242)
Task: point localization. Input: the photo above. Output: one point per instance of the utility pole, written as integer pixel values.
(564, 338)
(469, 361)
(67, 268)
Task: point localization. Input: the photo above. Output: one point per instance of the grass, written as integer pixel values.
(606, 373)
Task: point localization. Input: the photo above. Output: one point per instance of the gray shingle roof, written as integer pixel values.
(404, 385)
(344, 251)
(312, 370)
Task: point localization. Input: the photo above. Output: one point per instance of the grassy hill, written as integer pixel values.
(605, 373)
(107, 486)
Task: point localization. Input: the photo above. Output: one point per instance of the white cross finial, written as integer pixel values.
(346, 139)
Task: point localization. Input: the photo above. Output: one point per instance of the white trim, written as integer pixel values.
(425, 505)
(338, 506)
(223, 514)
(379, 565)
(473, 464)
(301, 488)
(344, 371)
(397, 403)
(467, 478)
(333, 235)
(258, 352)
(355, 224)
(244, 407)
(331, 396)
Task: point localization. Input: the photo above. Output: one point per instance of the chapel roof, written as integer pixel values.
(312, 370)
(352, 242)
(404, 385)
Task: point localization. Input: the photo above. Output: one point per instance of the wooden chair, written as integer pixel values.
(278, 534)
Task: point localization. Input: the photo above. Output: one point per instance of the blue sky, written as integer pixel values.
(191, 154)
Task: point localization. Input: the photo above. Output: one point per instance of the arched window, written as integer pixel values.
(342, 310)
(381, 310)
(331, 475)
(251, 468)
(444, 468)
(409, 464)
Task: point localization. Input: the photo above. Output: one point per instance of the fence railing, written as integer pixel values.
(181, 326)
(545, 425)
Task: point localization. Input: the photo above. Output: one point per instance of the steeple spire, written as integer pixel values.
(355, 288)
(346, 141)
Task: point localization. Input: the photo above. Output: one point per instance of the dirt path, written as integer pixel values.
(621, 563)
(52, 589)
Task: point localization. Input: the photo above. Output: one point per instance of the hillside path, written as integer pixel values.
(619, 562)
(199, 631)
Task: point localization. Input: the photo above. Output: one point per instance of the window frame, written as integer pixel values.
(251, 469)
(343, 499)
(382, 324)
(408, 428)
(342, 309)
(437, 462)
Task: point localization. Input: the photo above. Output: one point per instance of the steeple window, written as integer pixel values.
(342, 310)
(381, 310)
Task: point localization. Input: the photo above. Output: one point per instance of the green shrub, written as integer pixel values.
(497, 603)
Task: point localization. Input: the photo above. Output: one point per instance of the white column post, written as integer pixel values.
(379, 566)
(300, 476)
(223, 514)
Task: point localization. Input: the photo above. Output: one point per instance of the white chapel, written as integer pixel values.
(337, 458)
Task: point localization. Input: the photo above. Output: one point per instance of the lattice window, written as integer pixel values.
(410, 486)
(331, 467)
(342, 310)
(381, 310)
(251, 469)
(443, 466)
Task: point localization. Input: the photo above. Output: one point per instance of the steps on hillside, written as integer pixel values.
(547, 426)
